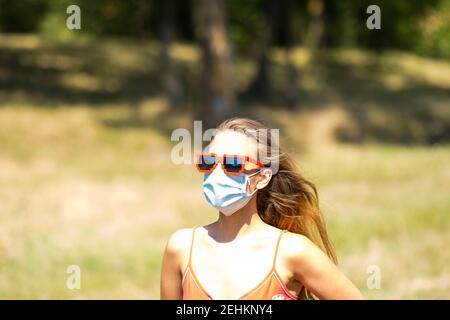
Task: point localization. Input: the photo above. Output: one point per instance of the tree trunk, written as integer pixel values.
(292, 94)
(216, 92)
(316, 23)
(260, 86)
(170, 79)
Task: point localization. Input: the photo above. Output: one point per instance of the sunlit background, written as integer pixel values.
(86, 115)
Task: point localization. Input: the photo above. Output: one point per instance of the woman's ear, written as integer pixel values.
(264, 178)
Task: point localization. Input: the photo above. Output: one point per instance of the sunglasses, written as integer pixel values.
(231, 164)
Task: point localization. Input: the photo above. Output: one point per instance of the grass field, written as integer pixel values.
(86, 177)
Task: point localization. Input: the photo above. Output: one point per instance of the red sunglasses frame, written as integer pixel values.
(221, 160)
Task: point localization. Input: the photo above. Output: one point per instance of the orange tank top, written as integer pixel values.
(270, 288)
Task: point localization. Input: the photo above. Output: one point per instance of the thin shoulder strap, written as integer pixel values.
(192, 245)
(276, 248)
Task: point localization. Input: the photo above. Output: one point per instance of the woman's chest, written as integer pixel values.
(230, 273)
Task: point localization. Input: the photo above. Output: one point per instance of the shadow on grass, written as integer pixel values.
(41, 81)
(413, 112)
(405, 111)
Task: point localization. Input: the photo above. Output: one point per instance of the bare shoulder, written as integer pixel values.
(179, 240)
(177, 248)
(296, 246)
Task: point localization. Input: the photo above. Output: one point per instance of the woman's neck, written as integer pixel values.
(239, 224)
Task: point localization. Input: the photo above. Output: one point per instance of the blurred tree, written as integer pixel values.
(143, 16)
(400, 23)
(260, 85)
(316, 23)
(169, 76)
(435, 28)
(292, 71)
(342, 23)
(420, 25)
(215, 89)
(21, 16)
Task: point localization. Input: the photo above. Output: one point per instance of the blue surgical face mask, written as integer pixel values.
(227, 193)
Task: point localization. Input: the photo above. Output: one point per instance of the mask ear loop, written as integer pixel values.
(248, 180)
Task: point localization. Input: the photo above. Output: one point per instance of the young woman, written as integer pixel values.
(269, 241)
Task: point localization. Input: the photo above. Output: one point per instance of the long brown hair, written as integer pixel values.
(289, 201)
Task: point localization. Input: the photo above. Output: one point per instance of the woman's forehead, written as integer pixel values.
(233, 142)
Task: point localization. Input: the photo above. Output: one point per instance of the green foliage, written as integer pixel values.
(22, 16)
(398, 29)
(436, 32)
(246, 21)
(438, 44)
(342, 23)
(103, 18)
(54, 23)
